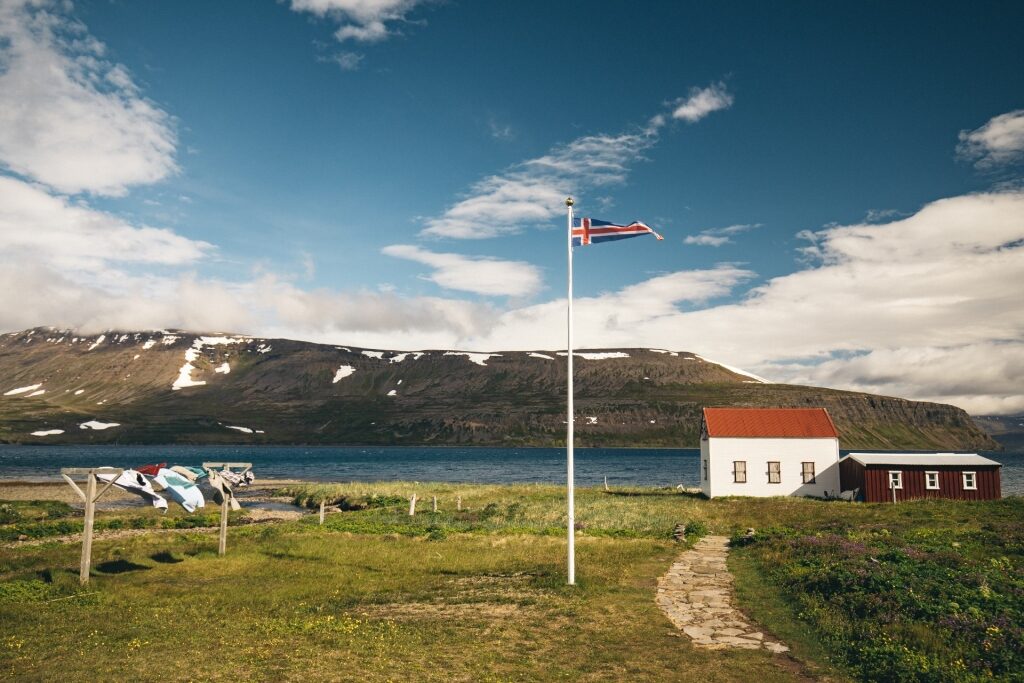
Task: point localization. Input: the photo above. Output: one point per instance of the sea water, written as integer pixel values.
(622, 466)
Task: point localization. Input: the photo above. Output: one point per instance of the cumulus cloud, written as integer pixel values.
(476, 274)
(701, 102)
(69, 118)
(983, 378)
(998, 142)
(52, 230)
(716, 237)
(532, 192)
(361, 21)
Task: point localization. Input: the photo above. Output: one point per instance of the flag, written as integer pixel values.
(592, 231)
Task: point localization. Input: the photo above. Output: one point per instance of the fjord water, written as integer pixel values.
(622, 466)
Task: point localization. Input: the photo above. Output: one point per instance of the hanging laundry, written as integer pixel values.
(221, 489)
(238, 478)
(193, 474)
(151, 470)
(132, 481)
(184, 492)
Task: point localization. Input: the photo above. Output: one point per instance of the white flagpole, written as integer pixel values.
(570, 484)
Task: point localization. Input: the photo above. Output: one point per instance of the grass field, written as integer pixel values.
(473, 595)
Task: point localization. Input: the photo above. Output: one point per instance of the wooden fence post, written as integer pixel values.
(606, 482)
(90, 517)
(89, 497)
(458, 503)
(222, 544)
(435, 503)
(229, 496)
(412, 505)
(321, 513)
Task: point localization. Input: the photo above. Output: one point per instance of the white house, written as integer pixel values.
(768, 452)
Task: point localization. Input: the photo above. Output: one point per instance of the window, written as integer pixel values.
(970, 481)
(774, 473)
(739, 471)
(931, 481)
(808, 472)
(895, 479)
(705, 470)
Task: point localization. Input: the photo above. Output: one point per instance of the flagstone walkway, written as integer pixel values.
(696, 595)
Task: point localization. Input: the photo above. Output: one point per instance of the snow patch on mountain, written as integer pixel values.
(738, 371)
(22, 390)
(374, 354)
(594, 355)
(97, 425)
(48, 432)
(478, 358)
(99, 340)
(343, 372)
(540, 355)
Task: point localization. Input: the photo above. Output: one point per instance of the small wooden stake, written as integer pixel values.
(222, 545)
(435, 503)
(90, 517)
(606, 482)
(458, 503)
(321, 512)
(412, 505)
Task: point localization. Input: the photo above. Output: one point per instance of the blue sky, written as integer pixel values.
(838, 184)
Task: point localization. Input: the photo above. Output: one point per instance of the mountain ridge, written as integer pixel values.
(172, 386)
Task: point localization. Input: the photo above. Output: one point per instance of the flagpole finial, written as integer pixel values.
(569, 201)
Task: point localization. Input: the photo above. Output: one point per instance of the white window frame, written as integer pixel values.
(974, 481)
(803, 472)
(897, 482)
(928, 480)
(779, 472)
(736, 472)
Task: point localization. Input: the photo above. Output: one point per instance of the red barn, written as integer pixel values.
(912, 476)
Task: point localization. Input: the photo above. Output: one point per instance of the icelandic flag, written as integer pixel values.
(592, 231)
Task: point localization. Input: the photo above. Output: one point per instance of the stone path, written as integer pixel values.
(696, 595)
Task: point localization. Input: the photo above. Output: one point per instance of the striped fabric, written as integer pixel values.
(592, 231)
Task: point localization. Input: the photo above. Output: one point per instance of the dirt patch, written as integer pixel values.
(430, 610)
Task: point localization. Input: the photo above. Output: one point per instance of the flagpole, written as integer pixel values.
(570, 484)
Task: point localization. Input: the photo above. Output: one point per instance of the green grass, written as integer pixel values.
(470, 595)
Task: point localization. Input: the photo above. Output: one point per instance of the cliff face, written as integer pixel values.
(175, 387)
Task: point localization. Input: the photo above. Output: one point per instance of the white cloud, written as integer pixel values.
(702, 101)
(363, 21)
(983, 378)
(1000, 141)
(532, 192)
(68, 117)
(70, 234)
(480, 275)
(346, 61)
(51, 230)
(716, 237)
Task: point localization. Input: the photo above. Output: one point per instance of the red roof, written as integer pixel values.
(798, 423)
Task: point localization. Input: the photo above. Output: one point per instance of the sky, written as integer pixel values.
(840, 185)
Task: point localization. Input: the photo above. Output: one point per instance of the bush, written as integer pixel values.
(906, 604)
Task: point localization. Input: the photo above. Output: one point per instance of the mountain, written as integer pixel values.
(178, 387)
(1008, 430)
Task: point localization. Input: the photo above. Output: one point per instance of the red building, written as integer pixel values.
(878, 477)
